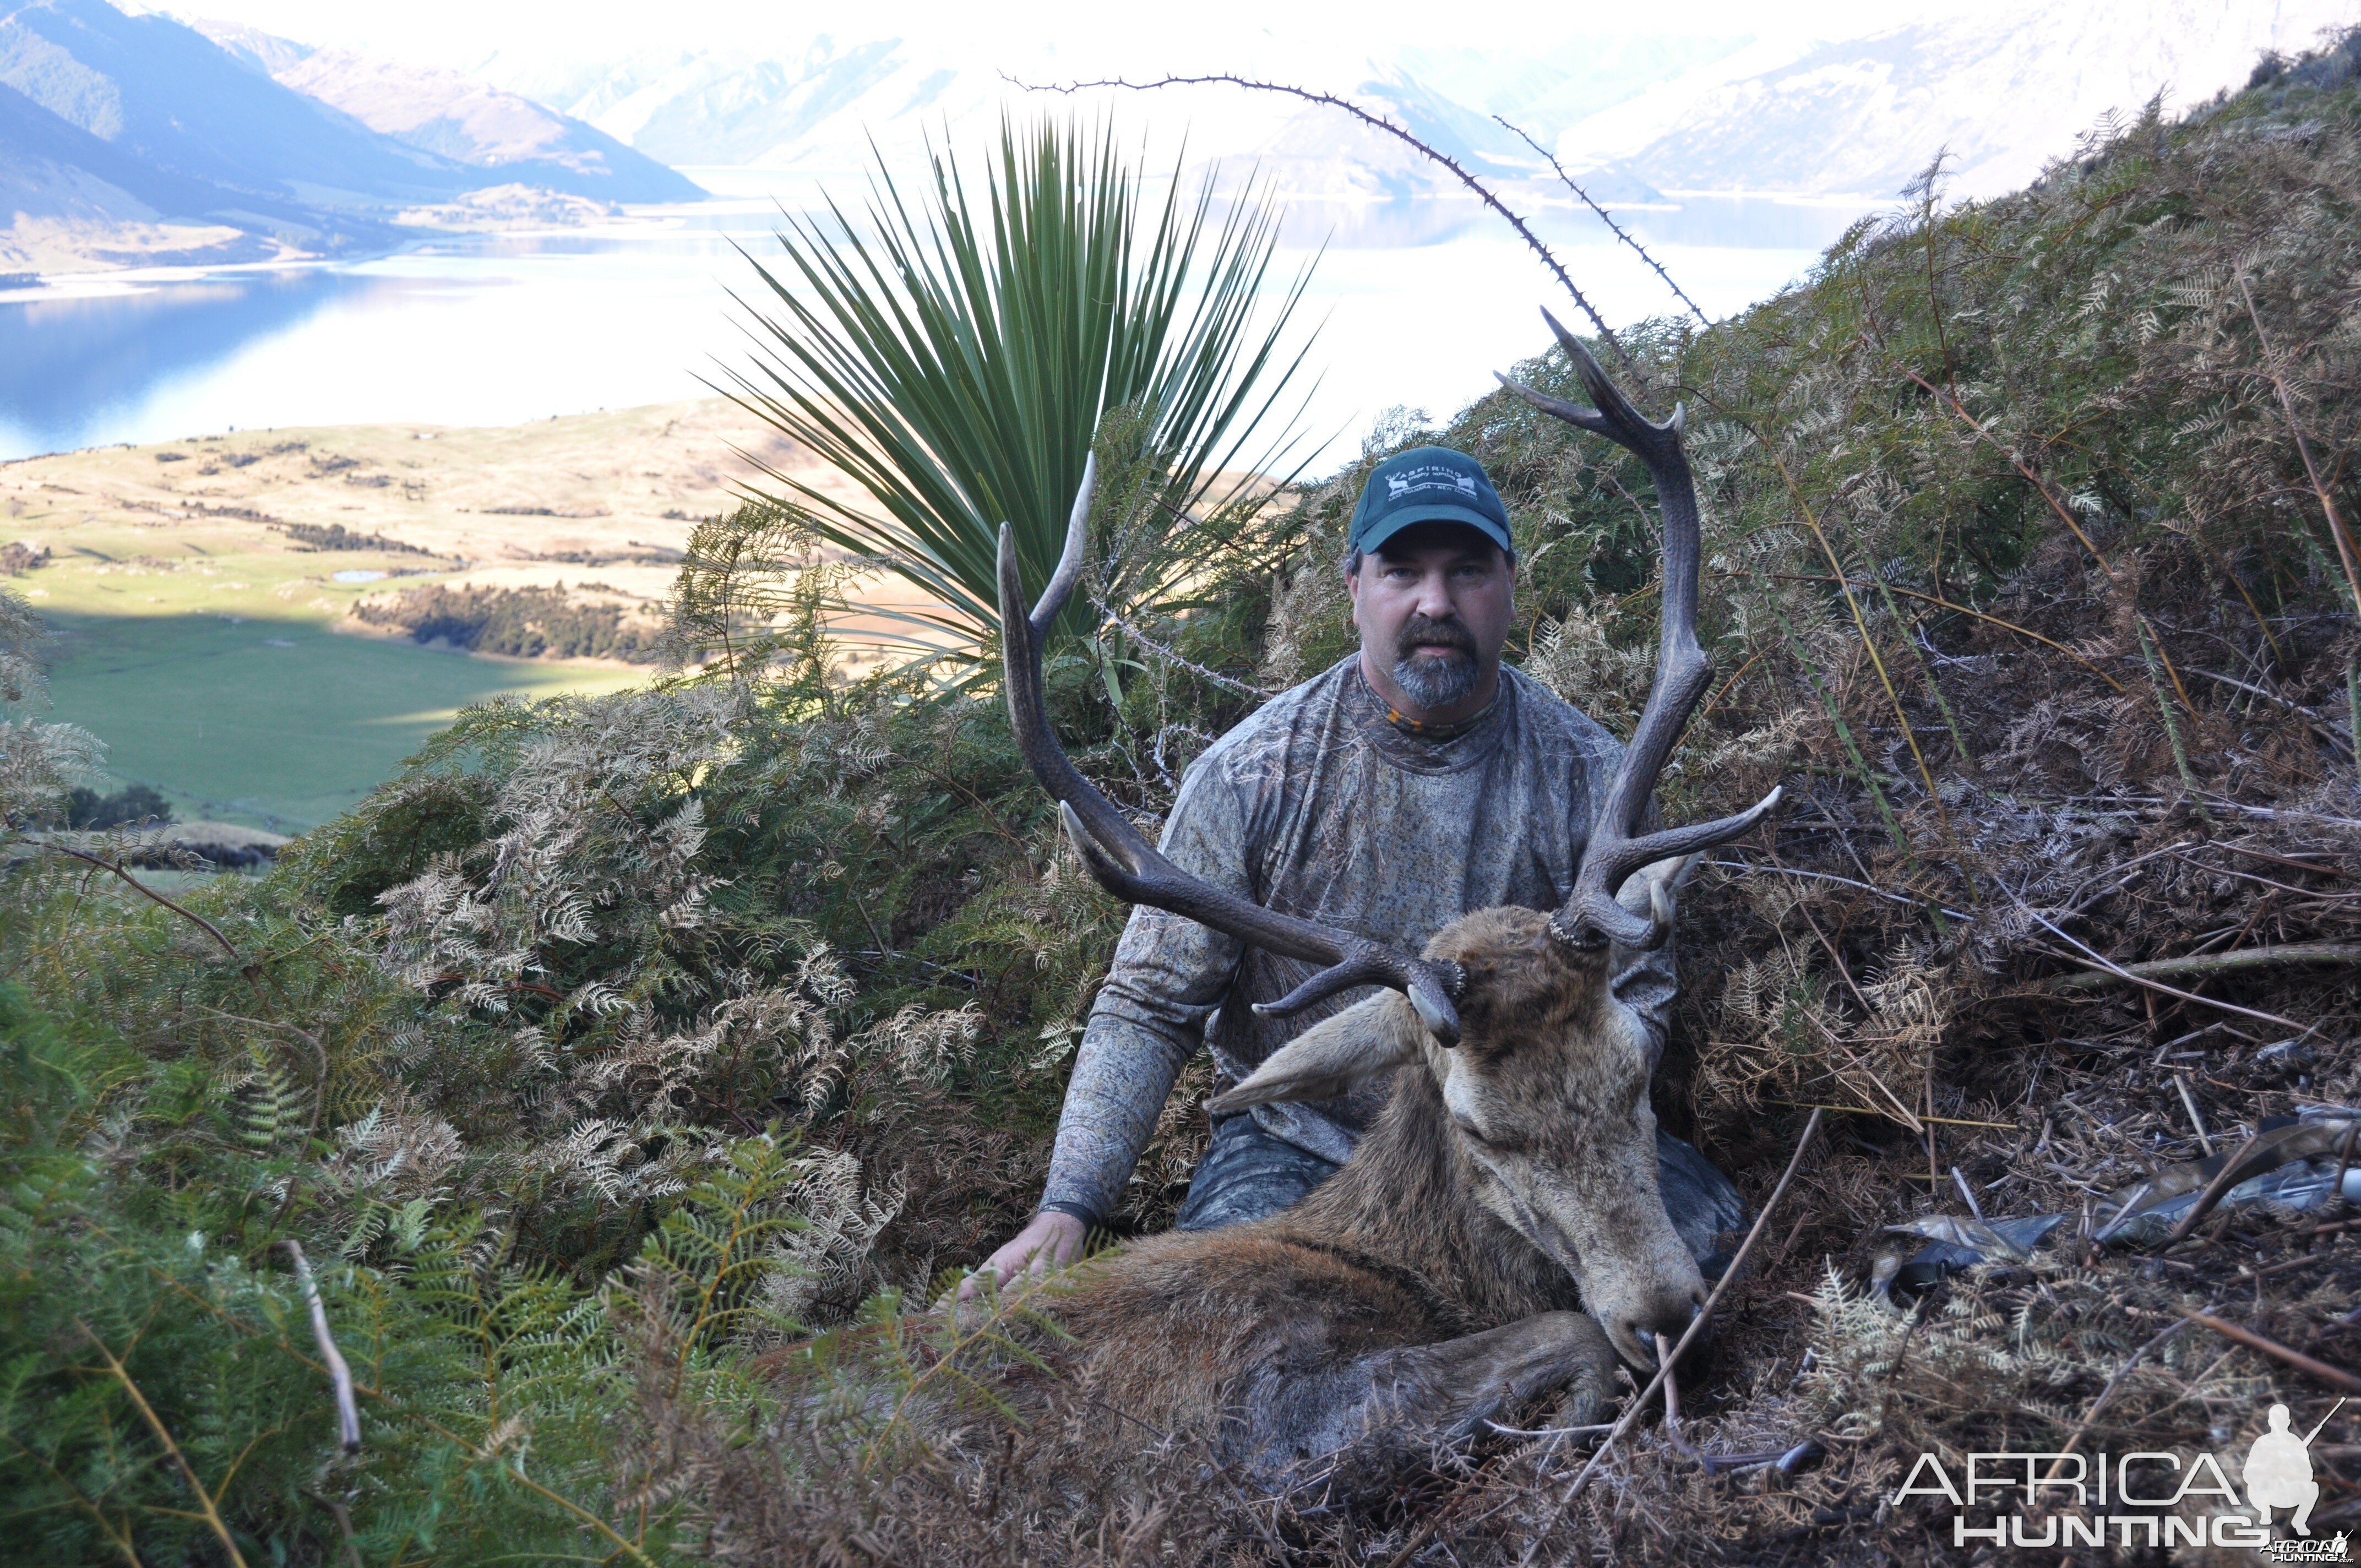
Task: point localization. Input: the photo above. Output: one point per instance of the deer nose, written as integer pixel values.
(1668, 1317)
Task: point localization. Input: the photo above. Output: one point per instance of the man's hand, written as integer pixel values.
(1052, 1240)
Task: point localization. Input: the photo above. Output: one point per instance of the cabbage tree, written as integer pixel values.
(955, 359)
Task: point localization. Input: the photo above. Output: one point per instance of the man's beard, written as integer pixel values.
(1437, 682)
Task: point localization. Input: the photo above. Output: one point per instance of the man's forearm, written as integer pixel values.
(1123, 1074)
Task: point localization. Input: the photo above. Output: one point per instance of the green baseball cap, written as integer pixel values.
(1427, 484)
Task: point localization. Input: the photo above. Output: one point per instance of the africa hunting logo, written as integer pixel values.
(2076, 1500)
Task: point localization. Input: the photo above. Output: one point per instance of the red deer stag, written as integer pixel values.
(1499, 1234)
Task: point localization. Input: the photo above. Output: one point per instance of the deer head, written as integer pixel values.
(1541, 1071)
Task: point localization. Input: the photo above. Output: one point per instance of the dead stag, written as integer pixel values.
(1499, 1234)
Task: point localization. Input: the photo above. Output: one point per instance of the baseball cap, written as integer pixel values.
(1427, 484)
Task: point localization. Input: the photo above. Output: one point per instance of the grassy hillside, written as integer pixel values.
(632, 1067)
(283, 723)
(202, 632)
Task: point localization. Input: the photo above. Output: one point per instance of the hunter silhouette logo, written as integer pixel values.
(2279, 1471)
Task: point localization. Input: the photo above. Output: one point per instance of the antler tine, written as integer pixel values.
(1617, 848)
(1069, 559)
(1132, 869)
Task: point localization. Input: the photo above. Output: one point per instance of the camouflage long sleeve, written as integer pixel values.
(1320, 806)
(1169, 975)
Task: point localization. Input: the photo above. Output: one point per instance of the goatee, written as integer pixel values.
(1436, 680)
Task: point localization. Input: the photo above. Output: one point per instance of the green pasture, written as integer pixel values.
(275, 722)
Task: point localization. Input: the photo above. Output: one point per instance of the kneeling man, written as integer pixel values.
(1413, 782)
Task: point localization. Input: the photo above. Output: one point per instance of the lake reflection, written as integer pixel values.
(1417, 303)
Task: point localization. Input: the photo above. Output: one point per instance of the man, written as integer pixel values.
(2278, 1472)
(1411, 784)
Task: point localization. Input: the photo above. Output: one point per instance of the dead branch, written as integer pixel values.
(212, 1515)
(2335, 1377)
(2304, 449)
(2118, 972)
(1378, 121)
(1607, 218)
(348, 1415)
(2336, 953)
(106, 865)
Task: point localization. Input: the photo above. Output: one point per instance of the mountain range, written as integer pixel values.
(2003, 86)
(129, 135)
(130, 138)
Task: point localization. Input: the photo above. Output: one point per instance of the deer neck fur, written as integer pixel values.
(1407, 1200)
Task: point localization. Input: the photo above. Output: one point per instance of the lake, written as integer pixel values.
(1416, 302)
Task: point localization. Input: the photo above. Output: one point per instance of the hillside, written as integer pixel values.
(133, 139)
(77, 201)
(512, 140)
(625, 1077)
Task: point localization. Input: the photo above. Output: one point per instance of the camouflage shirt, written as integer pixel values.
(1325, 805)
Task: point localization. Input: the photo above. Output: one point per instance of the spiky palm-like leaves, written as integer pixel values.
(955, 361)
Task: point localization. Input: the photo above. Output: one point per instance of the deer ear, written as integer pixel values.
(1652, 890)
(1334, 1057)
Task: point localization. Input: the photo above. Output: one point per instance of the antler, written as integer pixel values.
(1128, 866)
(1617, 847)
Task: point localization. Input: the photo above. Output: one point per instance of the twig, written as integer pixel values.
(1942, 603)
(348, 1415)
(1969, 1193)
(2335, 1377)
(156, 1424)
(2017, 462)
(2304, 449)
(2221, 963)
(1608, 218)
(2271, 814)
(1378, 121)
(2108, 1393)
(2305, 893)
(1550, 1431)
(1841, 881)
(1697, 1326)
(1865, 1110)
(2204, 1138)
(1226, 682)
(344, 1517)
(2319, 724)
(2121, 973)
(104, 865)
